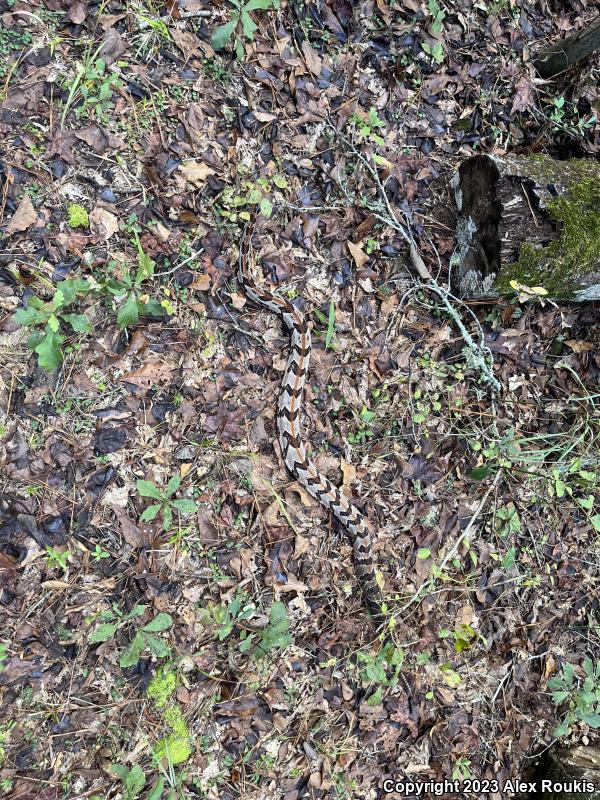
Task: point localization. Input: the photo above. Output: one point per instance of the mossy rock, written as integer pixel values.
(528, 219)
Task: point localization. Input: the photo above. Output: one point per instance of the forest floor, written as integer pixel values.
(178, 618)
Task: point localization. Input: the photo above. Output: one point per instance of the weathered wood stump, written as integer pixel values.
(528, 219)
(571, 772)
(561, 55)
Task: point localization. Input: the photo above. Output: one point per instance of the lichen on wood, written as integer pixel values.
(560, 266)
(529, 219)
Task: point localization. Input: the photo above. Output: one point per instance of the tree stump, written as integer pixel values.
(561, 55)
(571, 773)
(530, 220)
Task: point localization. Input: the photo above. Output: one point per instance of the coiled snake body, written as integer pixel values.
(290, 436)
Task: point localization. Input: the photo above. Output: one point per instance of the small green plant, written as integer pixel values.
(367, 128)
(125, 289)
(462, 769)
(436, 52)
(96, 88)
(56, 559)
(226, 618)
(507, 520)
(381, 669)
(438, 15)
(113, 619)
(569, 122)
(463, 636)
(582, 699)
(99, 553)
(275, 635)
(77, 216)
(241, 16)
(12, 40)
(3, 655)
(4, 737)
(166, 502)
(234, 201)
(47, 319)
(134, 780)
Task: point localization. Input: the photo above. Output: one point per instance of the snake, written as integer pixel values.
(291, 441)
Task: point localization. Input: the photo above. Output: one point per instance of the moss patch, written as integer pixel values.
(559, 265)
(176, 747)
(162, 686)
(77, 216)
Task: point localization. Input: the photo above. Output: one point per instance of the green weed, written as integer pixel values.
(48, 320)
(112, 620)
(166, 502)
(240, 18)
(582, 699)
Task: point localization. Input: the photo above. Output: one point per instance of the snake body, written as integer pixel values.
(289, 430)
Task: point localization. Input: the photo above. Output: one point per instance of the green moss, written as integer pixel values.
(162, 686)
(176, 747)
(558, 265)
(77, 216)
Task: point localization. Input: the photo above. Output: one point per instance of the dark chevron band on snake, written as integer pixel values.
(290, 435)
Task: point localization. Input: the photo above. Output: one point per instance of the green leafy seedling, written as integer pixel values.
(276, 634)
(582, 699)
(144, 638)
(48, 320)
(241, 16)
(126, 290)
(166, 503)
(133, 779)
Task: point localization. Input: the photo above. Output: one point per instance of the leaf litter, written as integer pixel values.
(234, 599)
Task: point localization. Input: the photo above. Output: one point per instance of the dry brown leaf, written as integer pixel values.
(348, 472)
(196, 172)
(103, 223)
(465, 615)
(238, 301)
(187, 42)
(524, 96)
(301, 545)
(359, 256)
(55, 584)
(579, 346)
(132, 533)
(313, 61)
(23, 218)
(77, 13)
(202, 283)
(155, 372)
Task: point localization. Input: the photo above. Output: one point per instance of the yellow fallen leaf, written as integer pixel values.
(359, 256)
(196, 172)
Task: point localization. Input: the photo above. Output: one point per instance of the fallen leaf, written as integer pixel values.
(77, 13)
(103, 223)
(359, 256)
(55, 585)
(186, 41)
(23, 218)
(196, 172)
(524, 97)
(313, 61)
(579, 346)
